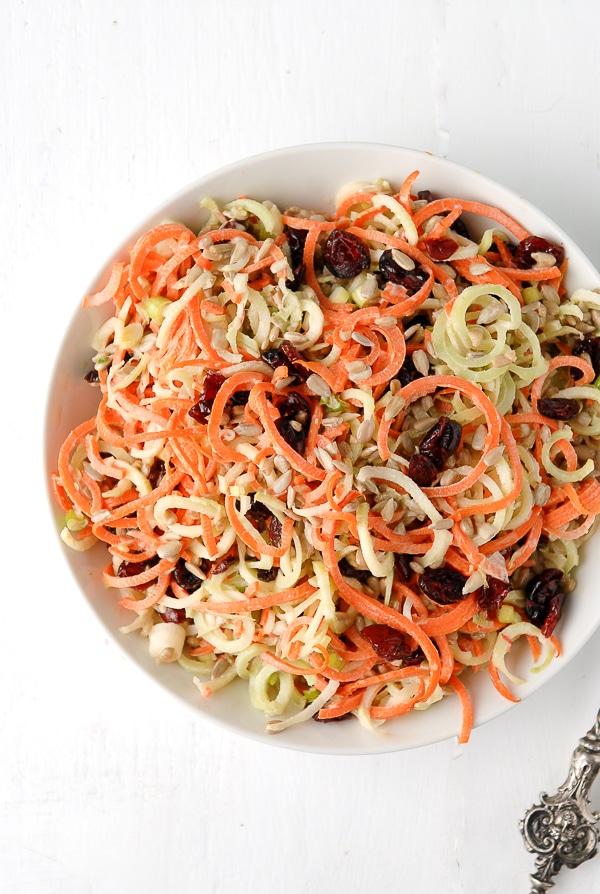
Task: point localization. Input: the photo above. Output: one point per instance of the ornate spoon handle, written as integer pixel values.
(561, 829)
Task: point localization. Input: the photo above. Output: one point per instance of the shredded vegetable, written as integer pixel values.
(347, 460)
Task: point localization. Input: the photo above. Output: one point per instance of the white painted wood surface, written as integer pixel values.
(106, 786)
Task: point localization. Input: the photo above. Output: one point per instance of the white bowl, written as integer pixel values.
(308, 176)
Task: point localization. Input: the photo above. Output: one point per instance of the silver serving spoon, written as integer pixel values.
(561, 830)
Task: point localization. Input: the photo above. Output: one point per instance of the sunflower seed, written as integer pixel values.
(490, 313)
(394, 407)
(421, 362)
(282, 483)
(403, 260)
(318, 385)
(169, 550)
(362, 339)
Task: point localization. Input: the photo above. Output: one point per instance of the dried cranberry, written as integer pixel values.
(391, 271)
(275, 529)
(239, 398)
(391, 644)
(267, 574)
(258, 512)
(422, 470)
(345, 255)
(544, 599)
(558, 407)
(156, 473)
(224, 563)
(174, 615)
(274, 357)
(296, 240)
(298, 274)
(286, 355)
(460, 228)
(425, 195)
(533, 244)
(131, 569)
(544, 586)
(295, 407)
(492, 596)
(443, 585)
(589, 344)
(408, 372)
(348, 570)
(331, 719)
(553, 614)
(185, 578)
(402, 567)
(441, 441)
(201, 410)
(92, 377)
(212, 382)
(296, 439)
(440, 249)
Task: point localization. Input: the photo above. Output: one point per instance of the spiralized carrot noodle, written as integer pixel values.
(348, 460)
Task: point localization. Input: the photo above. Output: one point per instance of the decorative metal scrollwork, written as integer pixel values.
(561, 829)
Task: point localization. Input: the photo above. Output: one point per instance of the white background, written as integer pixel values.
(106, 785)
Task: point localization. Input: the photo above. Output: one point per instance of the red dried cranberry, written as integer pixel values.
(402, 567)
(422, 470)
(201, 410)
(544, 599)
(589, 344)
(131, 569)
(544, 586)
(185, 578)
(491, 597)
(295, 407)
(267, 574)
(174, 615)
(391, 644)
(92, 377)
(286, 355)
(296, 439)
(156, 473)
(224, 563)
(296, 240)
(553, 614)
(441, 441)
(440, 249)
(391, 271)
(460, 228)
(274, 357)
(345, 255)
(443, 585)
(425, 195)
(331, 719)
(558, 407)
(239, 398)
(408, 372)
(258, 512)
(275, 529)
(348, 570)
(533, 244)
(212, 382)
